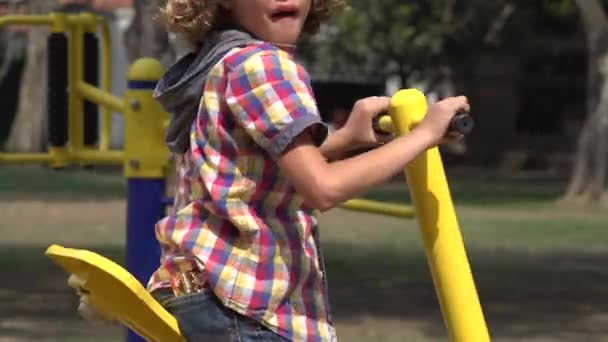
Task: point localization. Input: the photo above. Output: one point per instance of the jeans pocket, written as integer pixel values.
(202, 317)
(186, 301)
(250, 330)
(163, 296)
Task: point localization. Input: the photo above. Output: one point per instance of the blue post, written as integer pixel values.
(146, 159)
(144, 209)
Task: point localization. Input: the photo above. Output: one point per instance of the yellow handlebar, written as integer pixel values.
(461, 122)
(444, 247)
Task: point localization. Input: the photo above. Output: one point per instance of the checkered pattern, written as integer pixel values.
(236, 216)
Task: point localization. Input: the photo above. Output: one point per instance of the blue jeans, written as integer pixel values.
(203, 318)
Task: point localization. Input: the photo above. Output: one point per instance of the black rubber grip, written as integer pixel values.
(91, 76)
(57, 89)
(462, 123)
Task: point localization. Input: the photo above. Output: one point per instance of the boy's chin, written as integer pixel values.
(287, 36)
(285, 40)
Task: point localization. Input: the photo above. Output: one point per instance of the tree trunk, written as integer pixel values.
(577, 188)
(13, 55)
(145, 37)
(27, 132)
(588, 179)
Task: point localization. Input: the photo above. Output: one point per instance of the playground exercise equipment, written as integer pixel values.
(145, 157)
(73, 119)
(118, 293)
(131, 304)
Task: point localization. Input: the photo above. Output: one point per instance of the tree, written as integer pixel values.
(147, 38)
(28, 128)
(375, 39)
(433, 45)
(588, 180)
(414, 39)
(13, 44)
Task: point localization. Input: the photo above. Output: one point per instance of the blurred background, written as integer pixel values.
(529, 183)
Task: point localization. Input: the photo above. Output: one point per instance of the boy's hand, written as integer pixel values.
(436, 122)
(87, 311)
(359, 126)
(85, 308)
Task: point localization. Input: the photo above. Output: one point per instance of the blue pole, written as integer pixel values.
(144, 209)
(146, 158)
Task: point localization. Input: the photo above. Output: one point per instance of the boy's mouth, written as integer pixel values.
(283, 13)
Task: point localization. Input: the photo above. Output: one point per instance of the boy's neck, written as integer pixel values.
(289, 48)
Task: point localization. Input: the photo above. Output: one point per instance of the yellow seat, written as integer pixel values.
(116, 294)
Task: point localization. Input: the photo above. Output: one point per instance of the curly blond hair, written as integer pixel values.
(195, 18)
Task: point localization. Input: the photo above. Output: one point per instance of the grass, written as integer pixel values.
(487, 192)
(32, 181)
(539, 268)
(472, 190)
(16, 258)
(545, 234)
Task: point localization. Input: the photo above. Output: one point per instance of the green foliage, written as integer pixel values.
(394, 37)
(374, 39)
(559, 7)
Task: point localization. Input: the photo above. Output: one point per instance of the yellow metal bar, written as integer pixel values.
(60, 22)
(74, 20)
(106, 83)
(90, 21)
(25, 158)
(25, 20)
(377, 207)
(60, 157)
(147, 155)
(443, 243)
(82, 19)
(87, 156)
(101, 97)
(64, 158)
(386, 124)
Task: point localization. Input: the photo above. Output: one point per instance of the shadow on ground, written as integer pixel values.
(525, 294)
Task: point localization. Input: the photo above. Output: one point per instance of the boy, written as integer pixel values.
(241, 260)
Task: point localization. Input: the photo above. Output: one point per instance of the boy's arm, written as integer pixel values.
(270, 96)
(336, 145)
(358, 131)
(325, 185)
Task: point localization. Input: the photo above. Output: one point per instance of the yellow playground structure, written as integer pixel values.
(117, 293)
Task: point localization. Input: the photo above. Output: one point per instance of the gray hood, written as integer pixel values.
(181, 88)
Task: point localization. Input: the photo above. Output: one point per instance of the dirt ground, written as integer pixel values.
(539, 297)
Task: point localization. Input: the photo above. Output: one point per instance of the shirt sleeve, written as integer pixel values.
(271, 98)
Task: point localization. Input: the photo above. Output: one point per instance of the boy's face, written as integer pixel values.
(275, 21)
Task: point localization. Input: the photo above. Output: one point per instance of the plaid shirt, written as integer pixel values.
(236, 216)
